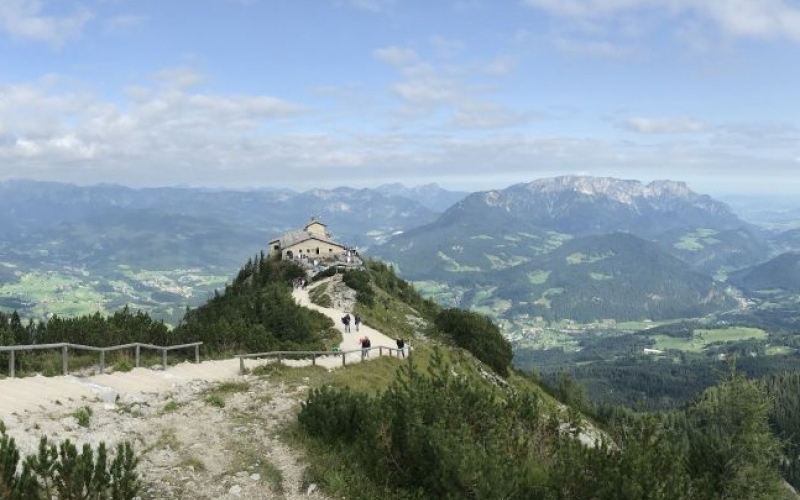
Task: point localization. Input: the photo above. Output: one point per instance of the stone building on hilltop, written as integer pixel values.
(312, 244)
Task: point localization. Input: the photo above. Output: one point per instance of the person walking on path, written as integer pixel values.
(357, 321)
(365, 345)
(346, 321)
(401, 345)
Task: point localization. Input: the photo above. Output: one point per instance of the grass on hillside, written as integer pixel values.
(696, 240)
(319, 295)
(391, 317)
(702, 338)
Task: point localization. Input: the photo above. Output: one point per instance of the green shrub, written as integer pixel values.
(434, 435)
(83, 416)
(215, 400)
(360, 282)
(62, 473)
(335, 414)
(320, 297)
(172, 406)
(123, 365)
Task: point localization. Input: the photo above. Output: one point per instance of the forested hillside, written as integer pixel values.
(780, 273)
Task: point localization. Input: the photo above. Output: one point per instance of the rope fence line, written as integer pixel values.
(65, 346)
(280, 355)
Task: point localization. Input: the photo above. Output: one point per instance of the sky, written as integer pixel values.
(469, 94)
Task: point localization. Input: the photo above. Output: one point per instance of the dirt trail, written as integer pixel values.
(350, 340)
(19, 395)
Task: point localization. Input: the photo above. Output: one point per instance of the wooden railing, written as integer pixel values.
(315, 354)
(12, 349)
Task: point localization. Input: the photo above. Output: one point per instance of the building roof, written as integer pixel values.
(301, 235)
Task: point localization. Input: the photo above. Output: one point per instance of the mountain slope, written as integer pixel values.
(582, 205)
(616, 276)
(781, 272)
(694, 227)
(482, 245)
(431, 196)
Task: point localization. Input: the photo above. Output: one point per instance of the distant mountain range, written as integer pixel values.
(583, 248)
(431, 196)
(572, 247)
(71, 249)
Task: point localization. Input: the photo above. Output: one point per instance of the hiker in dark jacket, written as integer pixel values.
(346, 321)
(365, 345)
(401, 348)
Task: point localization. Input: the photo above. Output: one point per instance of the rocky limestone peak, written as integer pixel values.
(494, 198)
(674, 188)
(621, 190)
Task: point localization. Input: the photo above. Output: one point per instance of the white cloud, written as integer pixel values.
(446, 47)
(755, 18)
(123, 23)
(23, 19)
(396, 56)
(502, 65)
(595, 48)
(181, 77)
(477, 115)
(371, 5)
(454, 92)
(745, 18)
(425, 87)
(151, 135)
(650, 125)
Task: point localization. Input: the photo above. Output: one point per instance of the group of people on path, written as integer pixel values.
(364, 341)
(346, 322)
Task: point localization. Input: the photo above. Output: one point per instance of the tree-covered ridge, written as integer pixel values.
(781, 272)
(445, 433)
(256, 313)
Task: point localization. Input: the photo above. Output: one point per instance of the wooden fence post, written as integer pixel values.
(164, 359)
(64, 360)
(314, 359)
(11, 363)
(102, 361)
(343, 361)
(197, 353)
(137, 355)
(241, 365)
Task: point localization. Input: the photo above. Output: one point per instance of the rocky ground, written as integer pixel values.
(203, 440)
